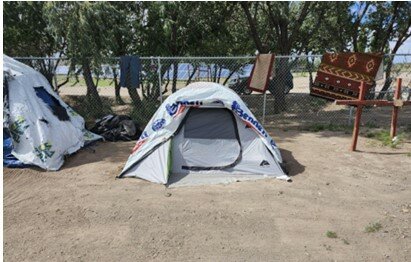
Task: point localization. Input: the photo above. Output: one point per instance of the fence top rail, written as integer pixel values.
(168, 57)
(190, 57)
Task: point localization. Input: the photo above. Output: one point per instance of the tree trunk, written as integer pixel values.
(232, 73)
(309, 67)
(117, 87)
(219, 74)
(92, 94)
(388, 79)
(401, 39)
(214, 75)
(190, 78)
(168, 79)
(175, 75)
(253, 28)
(135, 97)
(280, 85)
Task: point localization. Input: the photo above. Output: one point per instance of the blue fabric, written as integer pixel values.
(130, 67)
(45, 96)
(8, 159)
(53, 103)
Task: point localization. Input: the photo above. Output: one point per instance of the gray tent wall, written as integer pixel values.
(158, 162)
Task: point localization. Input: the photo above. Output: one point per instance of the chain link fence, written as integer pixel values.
(287, 103)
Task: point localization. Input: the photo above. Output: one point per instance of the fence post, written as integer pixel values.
(56, 87)
(350, 115)
(264, 104)
(159, 79)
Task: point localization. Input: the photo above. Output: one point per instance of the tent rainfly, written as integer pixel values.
(204, 128)
(41, 127)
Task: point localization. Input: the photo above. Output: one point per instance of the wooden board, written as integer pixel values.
(261, 73)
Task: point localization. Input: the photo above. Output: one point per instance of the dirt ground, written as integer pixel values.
(83, 213)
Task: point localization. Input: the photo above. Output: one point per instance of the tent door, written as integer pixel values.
(208, 140)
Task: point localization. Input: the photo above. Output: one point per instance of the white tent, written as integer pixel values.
(42, 127)
(203, 129)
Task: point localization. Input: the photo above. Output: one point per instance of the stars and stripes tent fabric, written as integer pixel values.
(42, 128)
(204, 128)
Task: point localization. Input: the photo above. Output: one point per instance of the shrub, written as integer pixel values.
(331, 234)
(374, 227)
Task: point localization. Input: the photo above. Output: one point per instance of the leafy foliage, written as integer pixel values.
(25, 30)
(92, 33)
(103, 29)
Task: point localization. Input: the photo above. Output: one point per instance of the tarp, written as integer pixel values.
(8, 159)
(167, 120)
(43, 128)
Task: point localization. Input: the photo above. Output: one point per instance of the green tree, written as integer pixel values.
(85, 26)
(388, 22)
(276, 26)
(25, 33)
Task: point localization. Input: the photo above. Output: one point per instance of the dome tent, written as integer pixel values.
(41, 127)
(204, 128)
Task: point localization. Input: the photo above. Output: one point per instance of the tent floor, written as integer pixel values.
(178, 180)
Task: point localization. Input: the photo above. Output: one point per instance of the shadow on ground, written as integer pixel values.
(100, 152)
(291, 164)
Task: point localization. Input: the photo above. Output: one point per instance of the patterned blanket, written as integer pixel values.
(339, 75)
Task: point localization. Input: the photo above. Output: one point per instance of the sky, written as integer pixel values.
(404, 49)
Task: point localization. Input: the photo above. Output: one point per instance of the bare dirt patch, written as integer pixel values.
(83, 213)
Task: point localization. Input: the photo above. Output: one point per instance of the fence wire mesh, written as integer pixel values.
(286, 104)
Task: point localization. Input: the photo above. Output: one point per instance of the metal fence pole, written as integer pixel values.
(350, 115)
(159, 79)
(264, 104)
(56, 87)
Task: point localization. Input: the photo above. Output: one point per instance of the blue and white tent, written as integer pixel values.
(204, 129)
(42, 128)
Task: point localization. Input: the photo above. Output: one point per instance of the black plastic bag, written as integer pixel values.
(117, 127)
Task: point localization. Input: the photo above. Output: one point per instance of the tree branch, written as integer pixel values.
(390, 26)
(356, 25)
(296, 28)
(402, 38)
(253, 27)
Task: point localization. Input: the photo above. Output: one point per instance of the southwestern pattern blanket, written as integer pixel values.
(340, 74)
